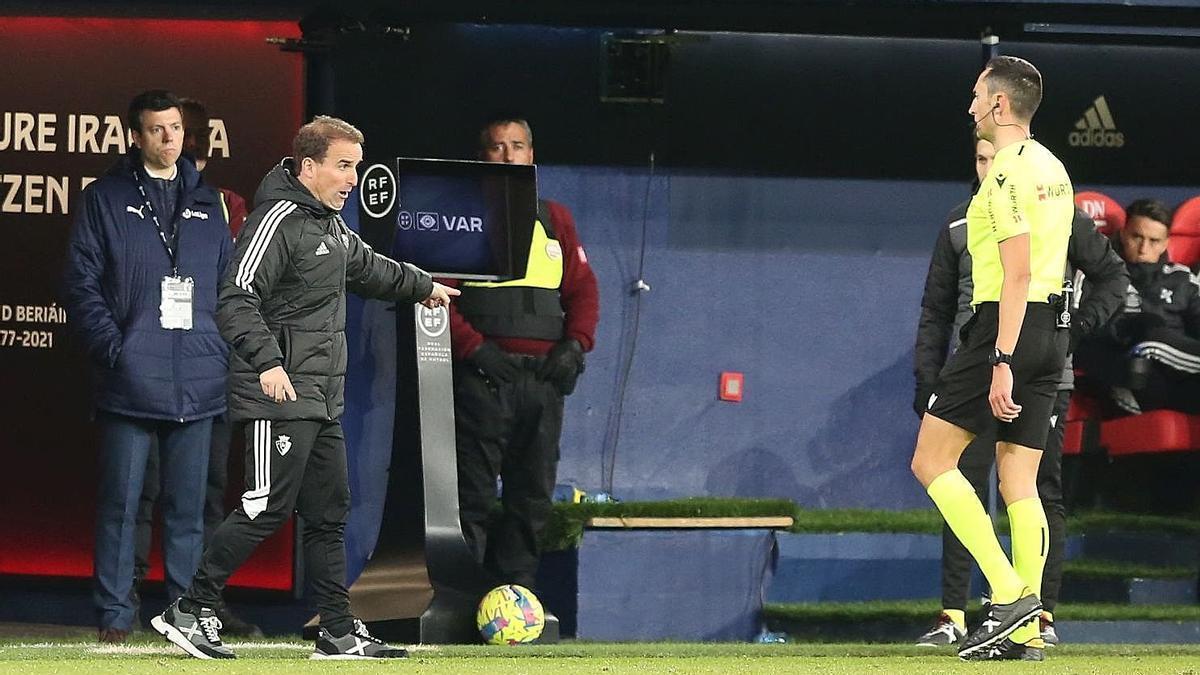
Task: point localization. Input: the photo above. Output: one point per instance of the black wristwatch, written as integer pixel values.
(999, 357)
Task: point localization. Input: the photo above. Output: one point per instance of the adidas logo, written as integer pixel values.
(322, 249)
(1096, 129)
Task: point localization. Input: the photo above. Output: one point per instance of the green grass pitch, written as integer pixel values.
(145, 654)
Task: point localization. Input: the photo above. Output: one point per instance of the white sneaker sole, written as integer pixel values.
(341, 657)
(174, 636)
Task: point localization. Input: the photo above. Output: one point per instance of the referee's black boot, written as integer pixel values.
(1000, 622)
(1007, 650)
(195, 633)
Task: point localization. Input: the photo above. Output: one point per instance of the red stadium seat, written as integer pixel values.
(1162, 430)
(1081, 410)
(1073, 438)
(1183, 246)
(1108, 215)
(1155, 431)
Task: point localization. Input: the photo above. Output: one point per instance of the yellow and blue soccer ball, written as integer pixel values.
(510, 615)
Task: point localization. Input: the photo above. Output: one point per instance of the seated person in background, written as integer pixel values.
(1149, 355)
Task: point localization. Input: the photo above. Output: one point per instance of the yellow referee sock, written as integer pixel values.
(958, 616)
(1030, 541)
(956, 499)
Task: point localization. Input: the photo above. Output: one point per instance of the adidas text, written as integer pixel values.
(1096, 138)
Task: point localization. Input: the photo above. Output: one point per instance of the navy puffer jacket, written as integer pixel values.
(115, 265)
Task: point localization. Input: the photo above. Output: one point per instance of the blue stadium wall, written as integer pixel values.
(798, 188)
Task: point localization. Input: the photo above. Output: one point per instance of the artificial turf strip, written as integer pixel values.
(1100, 521)
(1107, 569)
(606, 659)
(923, 610)
(565, 528)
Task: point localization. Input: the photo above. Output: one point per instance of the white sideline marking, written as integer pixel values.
(147, 650)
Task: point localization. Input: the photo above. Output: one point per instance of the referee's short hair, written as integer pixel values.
(1020, 80)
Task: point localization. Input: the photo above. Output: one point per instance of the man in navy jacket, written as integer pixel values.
(146, 254)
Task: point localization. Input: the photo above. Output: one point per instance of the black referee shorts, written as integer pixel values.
(961, 397)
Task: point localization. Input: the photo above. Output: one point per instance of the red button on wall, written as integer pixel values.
(732, 386)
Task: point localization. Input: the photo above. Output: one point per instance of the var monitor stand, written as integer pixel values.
(422, 584)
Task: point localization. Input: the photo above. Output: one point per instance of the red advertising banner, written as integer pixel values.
(66, 85)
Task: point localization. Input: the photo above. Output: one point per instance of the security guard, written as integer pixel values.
(518, 351)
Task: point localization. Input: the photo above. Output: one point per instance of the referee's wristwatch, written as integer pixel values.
(999, 357)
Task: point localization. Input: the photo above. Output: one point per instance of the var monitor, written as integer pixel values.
(454, 219)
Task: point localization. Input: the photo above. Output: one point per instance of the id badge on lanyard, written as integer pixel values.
(175, 306)
(175, 310)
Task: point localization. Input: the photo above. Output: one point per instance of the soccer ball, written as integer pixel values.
(510, 615)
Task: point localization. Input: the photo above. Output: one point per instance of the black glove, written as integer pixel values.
(921, 400)
(563, 364)
(1132, 328)
(494, 363)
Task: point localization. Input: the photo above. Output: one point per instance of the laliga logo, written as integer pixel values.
(433, 322)
(378, 193)
(189, 214)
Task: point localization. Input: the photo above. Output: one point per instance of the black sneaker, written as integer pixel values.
(357, 644)
(232, 624)
(1049, 635)
(1000, 622)
(944, 633)
(195, 634)
(1007, 650)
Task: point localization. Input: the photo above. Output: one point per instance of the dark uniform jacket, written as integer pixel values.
(946, 304)
(283, 300)
(1160, 295)
(116, 262)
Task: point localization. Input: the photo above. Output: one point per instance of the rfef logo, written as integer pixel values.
(378, 191)
(1097, 128)
(404, 220)
(433, 322)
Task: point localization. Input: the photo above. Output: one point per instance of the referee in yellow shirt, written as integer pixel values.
(1005, 373)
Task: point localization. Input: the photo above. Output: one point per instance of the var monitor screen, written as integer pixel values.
(456, 219)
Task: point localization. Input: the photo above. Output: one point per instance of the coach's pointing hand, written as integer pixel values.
(440, 296)
(277, 385)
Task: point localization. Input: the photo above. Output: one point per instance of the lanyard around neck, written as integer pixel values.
(162, 235)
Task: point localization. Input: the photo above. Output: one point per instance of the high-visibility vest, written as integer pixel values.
(529, 307)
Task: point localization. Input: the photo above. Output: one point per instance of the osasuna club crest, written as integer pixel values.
(283, 444)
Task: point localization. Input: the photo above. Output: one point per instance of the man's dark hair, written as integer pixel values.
(314, 138)
(1149, 208)
(500, 121)
(1019, 80)
(195, 125)
(154, 100)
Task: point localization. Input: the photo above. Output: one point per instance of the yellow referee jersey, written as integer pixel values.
(1027, 191)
